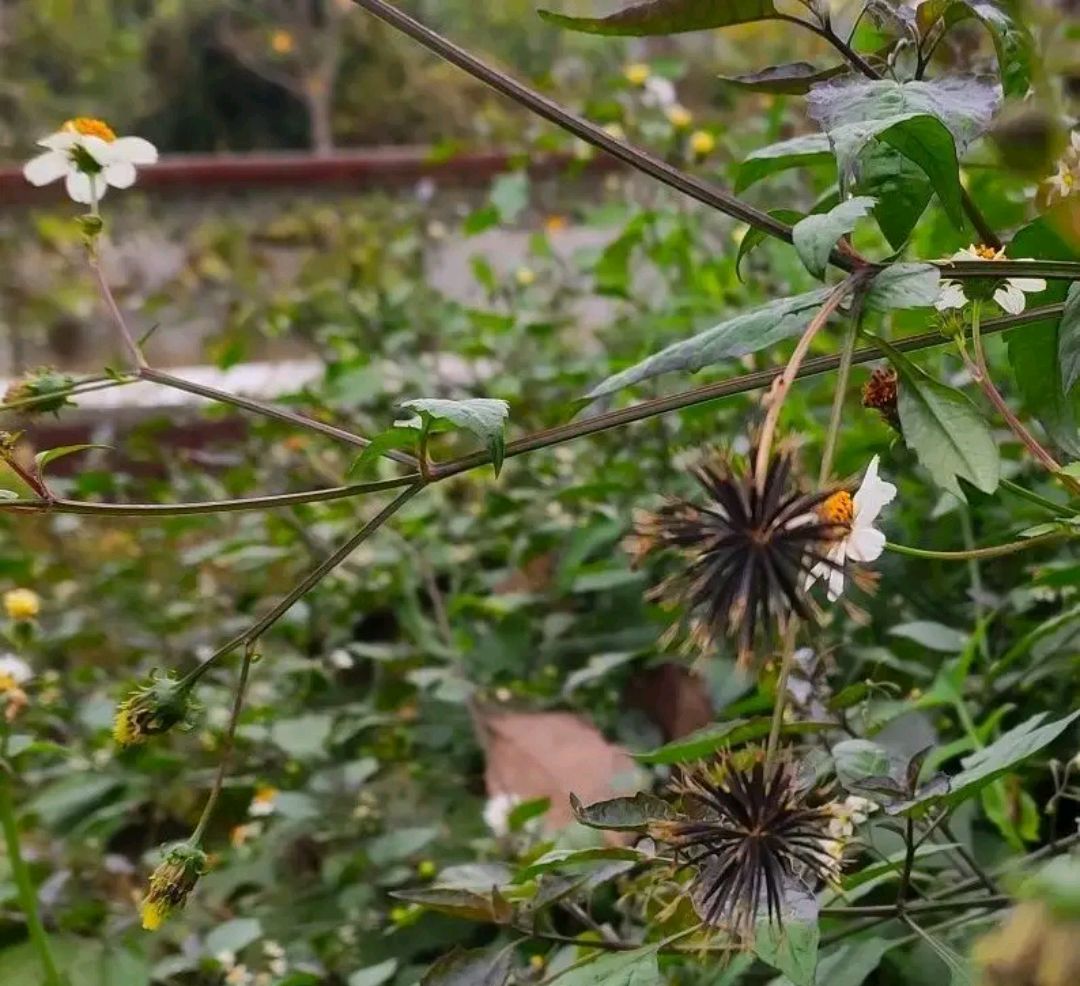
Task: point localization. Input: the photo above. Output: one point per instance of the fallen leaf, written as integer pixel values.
(672, 696)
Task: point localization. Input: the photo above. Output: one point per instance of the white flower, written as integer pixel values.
(659, 92)
(1066, 180)
(497, 812)
(89, 157)
(14, 671)
(848, 814)
(862, 542)
(263, 802)
(1010, 296)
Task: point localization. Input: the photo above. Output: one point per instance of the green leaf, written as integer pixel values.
(560, 858)
(400, 843)
(401, 436)
(793, 79)
(900, 187)
(484, 417)
(707, 741)
(1012, 40)
(903, 286)
(848, 964)
(738, 336)
(52, 454)
(1069, 340)
(637, 967)
(668, 17)
(945, 430)
(754, 236)
(815, 236)
(798, 152)
(476, 967)
(233, 936)
(996, 760)
(933, 636)
(470, 905)
(1035, 349)
(859, 760)
(374, 975)
(791, 948)
(622, 814)
(510, 195)
(928, 122)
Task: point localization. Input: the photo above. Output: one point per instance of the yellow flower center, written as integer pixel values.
(986, 252)
(838, 509)
(7, 683)
(88, 126)
(282, 42)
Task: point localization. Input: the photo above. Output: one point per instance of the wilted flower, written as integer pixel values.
(749, 554)
(89, 157)
(152, 709)
(880, 393)
(859, 541)
(171, 883)
(45, 389)
(750, 835)
(1008, 292)
(22, 604)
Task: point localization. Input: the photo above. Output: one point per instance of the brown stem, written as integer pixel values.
(134, 353)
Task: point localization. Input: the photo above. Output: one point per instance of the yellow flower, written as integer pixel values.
(525, 276)
(679, 116)
(171, 883)
(702, 143)
(637, 73)
(282, 42)
(22, 604)
(151, 709)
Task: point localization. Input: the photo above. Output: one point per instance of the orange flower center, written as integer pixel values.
(90, 127)
(838, 509)
(986, 253)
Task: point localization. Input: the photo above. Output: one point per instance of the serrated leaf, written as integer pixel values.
(472, 905)
(400, 436)
(1069, 340)
(945, 430)
(1012, 40)
(52, 454)
(668, 17)
(847, 964)
(903, 286)
(900, 187)
(791, 948)
(754, 236)
(475, 967)
(815, 236)
(622, 814)
(798, 152)
(996, 760)
(745, 333)
(637, 967)
(707, 741)
(484, 417)
(793, 79)
(560, 858)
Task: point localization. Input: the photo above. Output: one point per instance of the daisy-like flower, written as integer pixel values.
(750, 835)
(854, 516)
(1066, 180)
(262, 802)
(89, 156)
(748, 553)
(1008, 292)
(14, 673)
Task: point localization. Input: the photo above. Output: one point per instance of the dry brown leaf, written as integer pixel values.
(674, 697)
(549, 755)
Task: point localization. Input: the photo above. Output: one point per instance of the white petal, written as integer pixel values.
(79, 187)
(119, 174)
(1074, 140)
(62, 140)
(873, 495)
(97, 148)
(47, 167)
(1010, 298)
(865, 544)
(836, 583)
(968, 253)
(134, 150)
(951, 295)
(1029, 285)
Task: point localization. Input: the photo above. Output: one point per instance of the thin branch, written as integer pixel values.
(132, 347)
(84, 386)
(705, 192)
(993, 551)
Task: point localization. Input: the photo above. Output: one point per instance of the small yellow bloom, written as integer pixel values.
(282, 42)
(151, 709)
(556, 223)
(171, 883)
(702, 143)
(679, 116)
(22, 604)
(637, 73)
(88, 126)
(525, 276)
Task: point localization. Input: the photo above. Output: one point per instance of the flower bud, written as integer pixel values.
(43, 389)
(880, 393)
(152, 709)
(171, 883)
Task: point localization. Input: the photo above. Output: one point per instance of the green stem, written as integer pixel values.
(230, 743)
(24, 884)
(1040, 501)
(975, 575)
(85, 386)
(995, 551)
(843, 374)
(780, 702)
(312, 579)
